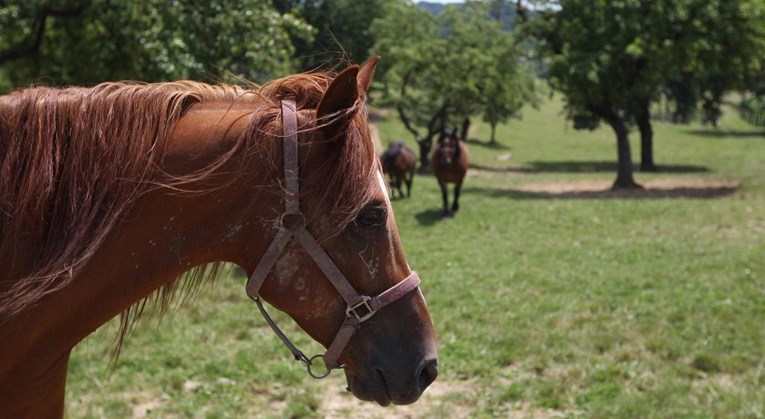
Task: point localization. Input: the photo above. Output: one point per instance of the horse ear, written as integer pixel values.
(366, 73)
(333, 113)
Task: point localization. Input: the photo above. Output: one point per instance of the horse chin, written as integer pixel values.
(372, 386)
(371, 389)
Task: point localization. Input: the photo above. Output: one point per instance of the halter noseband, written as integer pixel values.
(292, 224)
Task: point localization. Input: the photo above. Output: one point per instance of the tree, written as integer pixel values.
(584, 42)
(341, 29)
(439, 71)
(696, 51)
(24, 25)
(407, 38)
(614, 59)
(125, 39)
(507, 88)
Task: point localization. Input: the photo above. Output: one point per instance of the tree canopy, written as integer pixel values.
(613, 59)
(87, 41)
(342, 30)
(441, 70)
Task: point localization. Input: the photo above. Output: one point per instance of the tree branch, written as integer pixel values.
(440, 115)
(401, 114)
(521, 11)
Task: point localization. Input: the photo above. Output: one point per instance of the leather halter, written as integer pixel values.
(292, 224)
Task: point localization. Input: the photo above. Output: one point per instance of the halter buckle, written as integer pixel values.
(361, 310)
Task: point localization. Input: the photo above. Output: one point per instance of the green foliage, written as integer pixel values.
(408, 40)
(148, 40)
(594, 50)
(341, 29)
(752, 110)
(451, 66)
(612, 59)
(628, 52)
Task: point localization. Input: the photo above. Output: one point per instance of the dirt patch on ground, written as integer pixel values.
(444, 399)
(657, 188)
(339, 403)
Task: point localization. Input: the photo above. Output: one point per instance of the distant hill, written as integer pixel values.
(433, 8)
(505, 10)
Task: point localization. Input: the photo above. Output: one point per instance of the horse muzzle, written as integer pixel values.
(394, 358)
(391, 385)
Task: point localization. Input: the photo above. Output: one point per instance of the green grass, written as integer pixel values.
(577, 307)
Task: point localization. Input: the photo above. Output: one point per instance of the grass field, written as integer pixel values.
(550, 298)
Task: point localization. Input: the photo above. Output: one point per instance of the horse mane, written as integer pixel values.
(74, 160)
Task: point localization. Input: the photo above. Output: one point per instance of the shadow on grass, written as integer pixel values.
(429, 217)
(718, 133)
(486, 144)
(494, 169)
(590, 167)
(680, 192)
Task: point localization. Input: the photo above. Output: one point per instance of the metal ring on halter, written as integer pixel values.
(310, 364)
(300, 223)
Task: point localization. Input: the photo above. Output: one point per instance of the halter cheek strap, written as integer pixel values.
(292, 225)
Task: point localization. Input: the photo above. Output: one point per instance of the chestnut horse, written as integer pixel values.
(450, 164)
(109, 194)
(399, 162)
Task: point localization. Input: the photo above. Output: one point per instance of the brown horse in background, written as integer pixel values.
(399, 162)
(109, 194)
(450, 164)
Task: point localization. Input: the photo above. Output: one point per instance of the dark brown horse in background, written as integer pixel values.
(109, 194)
(399, 162)
(450, 164)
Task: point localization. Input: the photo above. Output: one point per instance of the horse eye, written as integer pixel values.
(371, 217)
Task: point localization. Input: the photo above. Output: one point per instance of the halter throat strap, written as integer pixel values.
(292, 225)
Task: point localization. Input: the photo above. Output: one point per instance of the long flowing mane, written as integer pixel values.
(74, 160)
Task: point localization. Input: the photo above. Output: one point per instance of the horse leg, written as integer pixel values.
(398, 187)
(456, 203)
(408, 181)
(445, 196)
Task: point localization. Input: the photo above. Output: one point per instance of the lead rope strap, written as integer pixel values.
(291, 198)
(290, 144)
(283, 235)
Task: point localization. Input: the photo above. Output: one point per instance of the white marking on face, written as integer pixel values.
(383, 188)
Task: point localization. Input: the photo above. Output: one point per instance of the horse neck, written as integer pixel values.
(166, 233)
(172, 229)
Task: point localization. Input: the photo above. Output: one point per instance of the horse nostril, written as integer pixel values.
(428, 375)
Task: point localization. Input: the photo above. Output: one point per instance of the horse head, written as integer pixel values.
(447, 148)
(345, 229)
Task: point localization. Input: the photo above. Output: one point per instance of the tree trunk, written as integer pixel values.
(624, 177)
(425, 145)
(493, 139)
(643, 119)
(435, 125)
(465, 129)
